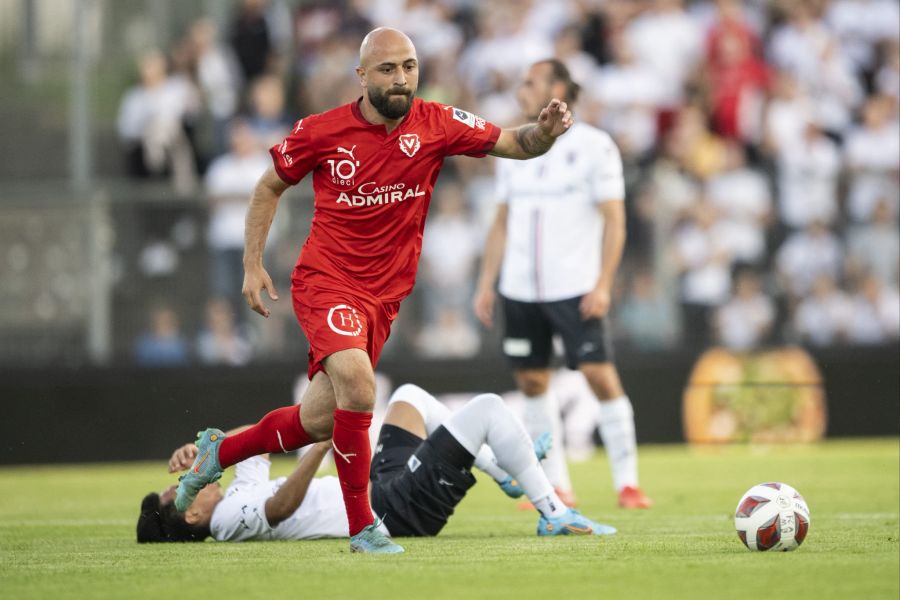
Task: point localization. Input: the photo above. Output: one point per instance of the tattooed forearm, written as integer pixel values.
(532, 141)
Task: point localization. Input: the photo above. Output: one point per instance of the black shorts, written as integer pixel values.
(416, 483)
(528, 336)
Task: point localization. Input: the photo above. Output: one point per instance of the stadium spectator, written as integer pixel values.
(821, 319)
(736, 78)
(667, 40)
(807, 254)
(229, 183)
(887, 78)
(151, 123)
(808, 179)
(162, 344)
(703, 258)
(622, 98)
(648, 321)
(221, 342)
(872, 155)
(698, 150)
(251, 39)
(569, 49)
(875, 247)
(742, 196)
(266, 116)
(807, 49)
(745, 321)
(503, 48)
(874, 313)
(787, 114)
(218, 77)
(860, 25)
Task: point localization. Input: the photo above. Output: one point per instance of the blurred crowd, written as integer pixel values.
(761, 144)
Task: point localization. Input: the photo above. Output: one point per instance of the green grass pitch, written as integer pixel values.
(68, 532)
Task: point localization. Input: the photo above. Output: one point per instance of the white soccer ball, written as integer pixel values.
(772, 516)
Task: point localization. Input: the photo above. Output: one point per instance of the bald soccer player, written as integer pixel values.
(374, 163)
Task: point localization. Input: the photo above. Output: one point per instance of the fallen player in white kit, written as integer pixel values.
(421, 469)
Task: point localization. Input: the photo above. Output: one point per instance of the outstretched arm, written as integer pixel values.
(292, 492)
(534, 139)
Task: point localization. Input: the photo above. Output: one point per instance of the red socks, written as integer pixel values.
(352, 455)
(278, 431)
(281, 431)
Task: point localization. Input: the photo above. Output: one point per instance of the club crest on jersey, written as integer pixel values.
(344, 320)
(410, 144)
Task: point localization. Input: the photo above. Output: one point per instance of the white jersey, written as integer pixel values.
(241, 515)
(554, 228)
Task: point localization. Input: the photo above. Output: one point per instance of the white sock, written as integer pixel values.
(433, 411)
(487, 420)
(539, 491)
(617, 431)
(540, 415)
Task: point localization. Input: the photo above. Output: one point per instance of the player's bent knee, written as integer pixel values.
(410, 393)
(488, 403)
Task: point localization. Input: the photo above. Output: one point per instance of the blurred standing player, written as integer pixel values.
(558, 235)
(374, 164)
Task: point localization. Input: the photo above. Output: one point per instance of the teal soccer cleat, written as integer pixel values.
(511, 487)
(372, 541)
(205, 470)
(542, 445)
(572, 523)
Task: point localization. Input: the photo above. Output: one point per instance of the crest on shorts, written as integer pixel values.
(344, 320)
(410, 144)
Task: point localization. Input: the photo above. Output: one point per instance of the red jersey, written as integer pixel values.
(372, 190)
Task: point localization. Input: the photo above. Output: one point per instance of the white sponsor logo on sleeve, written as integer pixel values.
(464, 117)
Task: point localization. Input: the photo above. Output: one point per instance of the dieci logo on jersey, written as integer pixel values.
(343, 170)
(410, 144)
(343, 319)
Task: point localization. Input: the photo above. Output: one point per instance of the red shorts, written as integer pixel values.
(337, 320)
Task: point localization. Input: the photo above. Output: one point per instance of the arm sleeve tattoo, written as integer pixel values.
(532, 141)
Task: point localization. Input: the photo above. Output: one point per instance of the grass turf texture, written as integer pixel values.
(68, 532)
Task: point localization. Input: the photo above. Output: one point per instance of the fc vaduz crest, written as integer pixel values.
(410, 144)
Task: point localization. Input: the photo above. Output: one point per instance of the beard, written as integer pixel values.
(391, 105)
